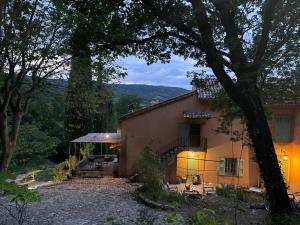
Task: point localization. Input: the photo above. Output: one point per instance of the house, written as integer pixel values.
(182, 130)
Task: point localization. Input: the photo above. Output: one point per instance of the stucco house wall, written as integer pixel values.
(157, 127)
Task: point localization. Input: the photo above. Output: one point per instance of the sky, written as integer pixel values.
(173, 74)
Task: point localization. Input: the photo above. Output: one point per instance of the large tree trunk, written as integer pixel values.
(261, 137)
(8, 139)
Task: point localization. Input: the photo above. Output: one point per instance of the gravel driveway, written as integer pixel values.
(88, 202)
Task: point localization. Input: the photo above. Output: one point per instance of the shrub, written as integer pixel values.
(149, 171)
(225, 190)
(203, 217)
(229, 191)
(71, 163)
(242, 195)
(59, 173)
(45, 175)
(86, 150)
(171, 218)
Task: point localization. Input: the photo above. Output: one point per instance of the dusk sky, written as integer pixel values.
(171, 74)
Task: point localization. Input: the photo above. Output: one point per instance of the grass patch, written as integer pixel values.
(229, 191)
(165, 198)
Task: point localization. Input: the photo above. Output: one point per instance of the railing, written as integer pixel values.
(169, 152)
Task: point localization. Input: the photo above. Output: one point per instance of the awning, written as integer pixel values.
(99, 138)
(197, 115)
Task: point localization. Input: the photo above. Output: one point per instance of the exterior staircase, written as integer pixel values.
(169, 156)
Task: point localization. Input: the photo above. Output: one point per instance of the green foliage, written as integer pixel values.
(149, 171)
(33, 143)
(87, 150)
(60, 173)
(17, 193)
(284, 220)
(71, 163)
(225, 190)
(203, 217)
(229, 191)
(151, 177)
(171, 218)
(242, 195)
(45, 175)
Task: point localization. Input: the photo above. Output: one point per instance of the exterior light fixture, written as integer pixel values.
(285, 157)
(107, 136)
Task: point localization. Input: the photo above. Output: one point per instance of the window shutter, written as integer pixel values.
(282, 128)
(222, 166)
(183, 135)
(240, 168)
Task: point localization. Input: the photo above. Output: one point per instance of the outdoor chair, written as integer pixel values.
(171, 187)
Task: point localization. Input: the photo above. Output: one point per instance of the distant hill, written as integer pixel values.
(149, 93)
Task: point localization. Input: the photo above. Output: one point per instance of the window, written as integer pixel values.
(282, 128)
(231, 167)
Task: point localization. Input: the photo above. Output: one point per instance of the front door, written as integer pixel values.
(194, 135)
(192, 166)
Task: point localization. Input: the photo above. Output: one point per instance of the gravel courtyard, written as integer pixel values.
(88, 202)
(104, 201)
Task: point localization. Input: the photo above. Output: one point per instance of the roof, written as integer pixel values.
(99, 138)
(155, 106)
(196, 115)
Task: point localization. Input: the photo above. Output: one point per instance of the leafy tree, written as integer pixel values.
(33, 144)
(243, 43)
(31, 40)
(239, 42)
(78, 120)
(88, 104)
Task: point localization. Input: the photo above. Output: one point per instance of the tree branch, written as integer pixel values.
(226, 11)
(213, 58)
(267, 17)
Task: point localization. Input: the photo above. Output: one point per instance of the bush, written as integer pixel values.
(45, 175)
(86, 150)
(224, 190)
(203, 217)
(59, 173)
(229, 191)
(149, 171)
(71, 163)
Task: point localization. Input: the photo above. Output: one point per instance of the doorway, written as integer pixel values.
(192, 164)
(195, 135)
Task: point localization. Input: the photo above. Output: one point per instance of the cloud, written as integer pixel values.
(171, 74)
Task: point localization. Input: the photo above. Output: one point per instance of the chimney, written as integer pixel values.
(130, 108)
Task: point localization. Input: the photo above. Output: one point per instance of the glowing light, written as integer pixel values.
(285, 157)
(107, 136)
(192, 154)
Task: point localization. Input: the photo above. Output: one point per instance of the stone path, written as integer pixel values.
(89, 202)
